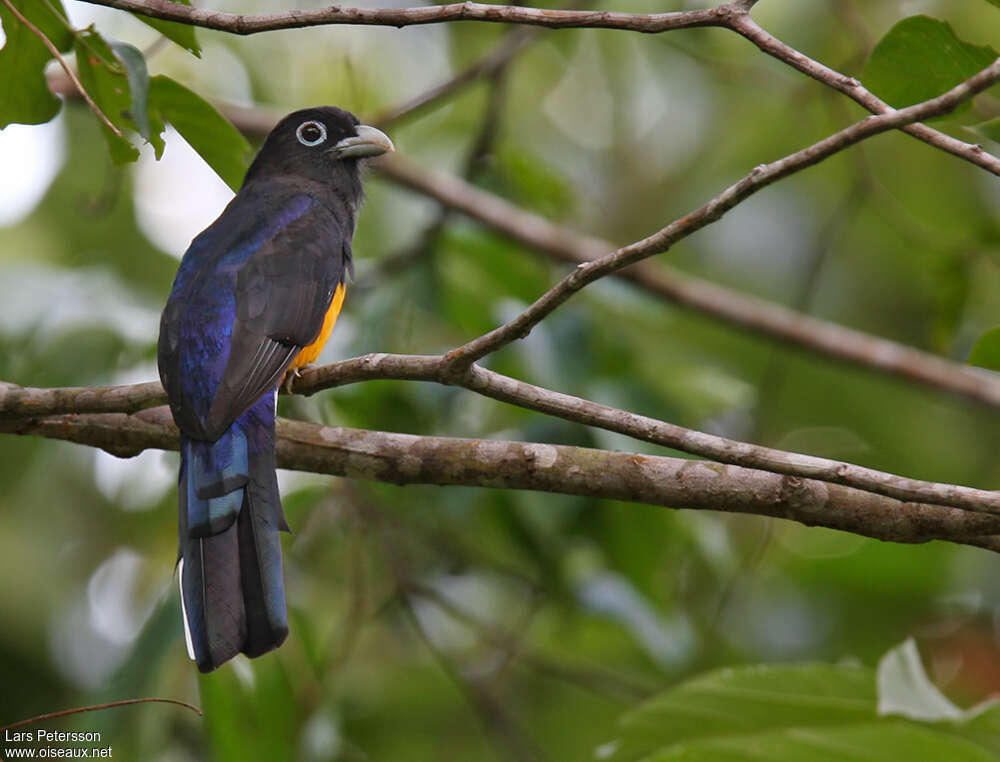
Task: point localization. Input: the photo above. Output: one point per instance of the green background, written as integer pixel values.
(468, 624)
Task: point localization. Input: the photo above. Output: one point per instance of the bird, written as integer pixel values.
(255, 297)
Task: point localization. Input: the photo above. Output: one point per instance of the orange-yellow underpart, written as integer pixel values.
(310, 353)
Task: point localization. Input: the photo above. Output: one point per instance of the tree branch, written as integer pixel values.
(733, 16)
(18, 416)
(461, 358)
(253, 23)
(457, 365)
(643, 428)
(744, 25)
(662, 481)
(732, 307)
(27, 402)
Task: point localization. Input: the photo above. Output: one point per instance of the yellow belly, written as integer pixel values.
(310, 353)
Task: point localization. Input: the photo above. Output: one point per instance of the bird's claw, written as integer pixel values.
(291, 375)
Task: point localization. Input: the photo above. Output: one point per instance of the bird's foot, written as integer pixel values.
(291, 376)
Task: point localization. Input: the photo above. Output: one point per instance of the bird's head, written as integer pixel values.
(322, 144)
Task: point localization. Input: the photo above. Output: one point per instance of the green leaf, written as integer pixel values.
(920, 58)
(986, 351)
(208, 132)
(994, 2)
(983, 727)
(24, 95)
(807, 712)
(138, 80)
(873, 742)
(182, 34)
(732, 702)
(106, 80)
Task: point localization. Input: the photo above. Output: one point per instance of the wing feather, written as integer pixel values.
(282, 295)
(250, 294)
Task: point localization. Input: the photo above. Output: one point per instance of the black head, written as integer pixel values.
(322, 144)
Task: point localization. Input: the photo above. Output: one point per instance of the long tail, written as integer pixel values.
(232, 591)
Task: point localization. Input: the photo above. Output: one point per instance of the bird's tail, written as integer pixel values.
(232, 592)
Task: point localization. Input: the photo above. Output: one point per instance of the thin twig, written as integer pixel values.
(744, 25)
(344, 640)
(492, 713)
(771, 380)
(600, 681)
(462, 358)
(98, 707)
(66, 67)
(732, 307)
(493, 61)
(482, 145)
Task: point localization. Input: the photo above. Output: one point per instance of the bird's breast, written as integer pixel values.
(310, 353)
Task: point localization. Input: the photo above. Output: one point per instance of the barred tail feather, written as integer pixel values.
(232, 591)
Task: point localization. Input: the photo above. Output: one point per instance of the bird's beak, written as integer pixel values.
(367, 143)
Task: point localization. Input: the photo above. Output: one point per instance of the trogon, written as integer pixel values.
(256, 296)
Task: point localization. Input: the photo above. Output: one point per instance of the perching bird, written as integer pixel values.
(256, 295)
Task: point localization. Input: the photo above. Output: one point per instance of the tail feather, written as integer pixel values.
(260, 568)
(217, 471)
(232, 590)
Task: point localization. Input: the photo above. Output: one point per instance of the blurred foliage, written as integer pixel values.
(459, 624)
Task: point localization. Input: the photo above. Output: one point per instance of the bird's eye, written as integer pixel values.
(311, 133)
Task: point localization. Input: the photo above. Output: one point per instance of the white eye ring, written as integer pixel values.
(310, 123)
